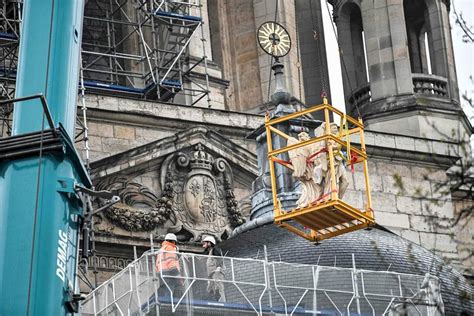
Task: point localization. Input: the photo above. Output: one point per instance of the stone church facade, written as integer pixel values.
(197, 170)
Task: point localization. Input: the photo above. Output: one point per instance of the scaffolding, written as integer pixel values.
(260, 287)
(82, 130)
(140, 48)
(133, 48)
(10, 20)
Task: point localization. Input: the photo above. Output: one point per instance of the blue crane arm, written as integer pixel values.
(39, 213)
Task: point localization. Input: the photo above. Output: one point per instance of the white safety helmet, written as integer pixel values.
(171, 237)
(210, 239)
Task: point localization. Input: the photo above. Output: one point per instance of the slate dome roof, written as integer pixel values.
(373, 249)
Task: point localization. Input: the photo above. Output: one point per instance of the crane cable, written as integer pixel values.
(298, 61)
(40, 171)
(317, 37)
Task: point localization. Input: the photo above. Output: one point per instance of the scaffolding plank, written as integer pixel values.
(8, 36)
(329, 217)
(307, 222)
(348, 209)
(336, 214)
(328, 220)
(308, 209)
(177, 16)
(296, 231)
(324, 221)
(100, 85)
(342, 231)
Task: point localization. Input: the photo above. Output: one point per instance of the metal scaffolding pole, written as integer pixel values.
(82, 131)
(140, 48)
(135, 48)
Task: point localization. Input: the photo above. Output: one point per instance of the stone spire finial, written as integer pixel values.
(281, 97)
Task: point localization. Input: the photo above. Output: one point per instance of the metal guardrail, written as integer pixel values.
(44, 104)
(263, 288)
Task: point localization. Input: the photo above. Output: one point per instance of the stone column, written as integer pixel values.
(235, 51)
(199, 47)
(387, 51)
(196, 43)
(132, 45)
(442, 48)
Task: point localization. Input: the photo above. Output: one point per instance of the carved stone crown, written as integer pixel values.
(201, 159)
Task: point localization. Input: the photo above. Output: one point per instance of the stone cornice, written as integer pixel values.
(402, 105)
(148, 112)
(413, 149)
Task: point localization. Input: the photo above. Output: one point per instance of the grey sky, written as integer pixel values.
(463, 52)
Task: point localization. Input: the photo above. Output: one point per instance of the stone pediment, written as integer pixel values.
(183, 184)
(146, 157)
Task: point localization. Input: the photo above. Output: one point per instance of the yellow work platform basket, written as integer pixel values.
(321, 212)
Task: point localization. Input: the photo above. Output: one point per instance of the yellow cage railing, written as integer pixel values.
(329, 215)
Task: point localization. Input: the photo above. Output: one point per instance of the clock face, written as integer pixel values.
(274, 39)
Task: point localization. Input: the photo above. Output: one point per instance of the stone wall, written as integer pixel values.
(410, 196)
(236, 51)
(119, 124)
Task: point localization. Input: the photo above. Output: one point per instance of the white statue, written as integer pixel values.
(430, 291)
(429, 296)
(322, 175)
(303, 170)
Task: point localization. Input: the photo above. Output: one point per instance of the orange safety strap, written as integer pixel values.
(282, 162)
(308, 160)
(311, 158)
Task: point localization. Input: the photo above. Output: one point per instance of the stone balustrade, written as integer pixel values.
(430, 85)
(361, 96)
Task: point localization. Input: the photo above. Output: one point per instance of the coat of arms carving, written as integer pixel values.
(203, 198)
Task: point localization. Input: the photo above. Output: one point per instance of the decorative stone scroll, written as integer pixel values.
(139, 209)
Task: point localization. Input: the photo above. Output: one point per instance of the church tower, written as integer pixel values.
(398, 66)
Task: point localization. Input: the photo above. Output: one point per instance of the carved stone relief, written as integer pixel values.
(139, 209)
(197, 198)
(203, 199)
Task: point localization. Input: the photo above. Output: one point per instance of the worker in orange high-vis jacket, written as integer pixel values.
(167, 267)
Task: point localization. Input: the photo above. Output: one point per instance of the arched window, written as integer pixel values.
(352, 44)
(428, 36)
(430, 47)
(419, 36)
